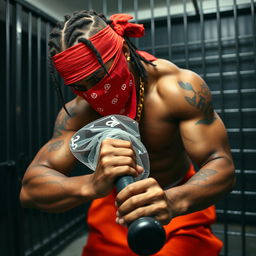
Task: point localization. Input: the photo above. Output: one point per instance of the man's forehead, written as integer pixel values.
(79, 61)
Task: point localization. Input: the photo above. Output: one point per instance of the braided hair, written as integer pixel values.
(76, 28)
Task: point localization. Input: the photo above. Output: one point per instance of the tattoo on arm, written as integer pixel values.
(198, 100)
(61, 122)
(55, 146)
(201, 177)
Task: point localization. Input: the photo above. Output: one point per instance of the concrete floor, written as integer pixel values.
(75, 247)
(234, 242)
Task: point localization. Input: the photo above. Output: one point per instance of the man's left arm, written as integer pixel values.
(205, 140)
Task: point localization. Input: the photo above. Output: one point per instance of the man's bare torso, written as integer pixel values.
(177, 124)
(158, 126)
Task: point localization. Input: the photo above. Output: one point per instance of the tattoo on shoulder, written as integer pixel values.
(55, 146)
(201, 176)
(61, 122)
(199, 101)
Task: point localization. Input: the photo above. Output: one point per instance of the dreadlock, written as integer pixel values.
(76, 29)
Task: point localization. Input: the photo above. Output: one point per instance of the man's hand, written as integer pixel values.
(143, 198)
(116, 158)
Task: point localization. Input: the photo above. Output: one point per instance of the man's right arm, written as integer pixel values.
(46, 184)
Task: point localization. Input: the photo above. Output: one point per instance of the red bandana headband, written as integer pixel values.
(78, 61)
(122, 27)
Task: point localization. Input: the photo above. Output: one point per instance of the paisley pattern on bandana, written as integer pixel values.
(114, 94)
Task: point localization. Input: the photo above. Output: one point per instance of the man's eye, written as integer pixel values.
(97, 79)
(79, 88)
(94, 79)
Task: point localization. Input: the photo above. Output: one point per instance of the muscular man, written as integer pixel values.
(178, 126)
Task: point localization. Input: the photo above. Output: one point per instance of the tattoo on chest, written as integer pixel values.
(199, 101)
(201, 177)
(61, 122)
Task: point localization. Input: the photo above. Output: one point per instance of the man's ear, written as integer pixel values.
(126, 50)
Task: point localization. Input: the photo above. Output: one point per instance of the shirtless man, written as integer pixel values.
(178, 126)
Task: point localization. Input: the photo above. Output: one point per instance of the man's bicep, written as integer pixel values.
(203, 141)
(55, 154)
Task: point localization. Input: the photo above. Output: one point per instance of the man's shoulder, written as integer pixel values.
(166, 69)
(170, 78)
(77, 115)
(180, 88)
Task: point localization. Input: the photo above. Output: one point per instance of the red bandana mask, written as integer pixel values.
(116, 93)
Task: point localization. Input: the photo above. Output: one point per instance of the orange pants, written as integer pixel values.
(188, 235)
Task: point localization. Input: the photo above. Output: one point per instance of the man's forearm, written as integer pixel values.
(213, 180)
(52, 191)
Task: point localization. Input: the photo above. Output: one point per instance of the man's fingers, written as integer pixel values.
(110, 147)
(156, 210)
(117, 161)
(135, 188)
(117, 143)
(125, 170)
(140, 200)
